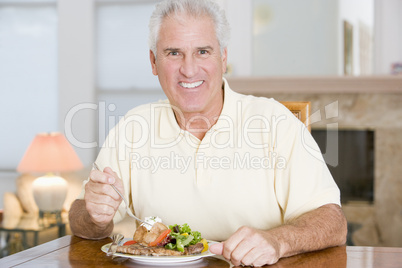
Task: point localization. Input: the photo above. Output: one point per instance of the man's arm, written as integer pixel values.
(92, 218)
(82, 225)
(321, 228)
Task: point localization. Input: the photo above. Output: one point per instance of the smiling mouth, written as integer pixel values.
(191, 85)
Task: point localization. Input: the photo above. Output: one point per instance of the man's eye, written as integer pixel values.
(202, 52)
(174, 53)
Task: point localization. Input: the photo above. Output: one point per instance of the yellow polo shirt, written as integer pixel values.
(257, 166)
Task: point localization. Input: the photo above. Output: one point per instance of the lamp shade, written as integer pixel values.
(49, 152)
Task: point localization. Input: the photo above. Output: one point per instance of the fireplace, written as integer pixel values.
(349, 155)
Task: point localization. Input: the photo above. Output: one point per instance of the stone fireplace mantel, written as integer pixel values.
(319, 84)
(373, 103)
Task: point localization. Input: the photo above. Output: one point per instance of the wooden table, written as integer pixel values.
(71, 251)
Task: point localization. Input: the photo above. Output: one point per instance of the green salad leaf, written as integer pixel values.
(183, 236)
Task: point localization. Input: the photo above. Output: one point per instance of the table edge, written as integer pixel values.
(40, 250)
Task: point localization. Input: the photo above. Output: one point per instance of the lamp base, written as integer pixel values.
(49, 192)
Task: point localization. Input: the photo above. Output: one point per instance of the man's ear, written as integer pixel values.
(152, 58)
(224, 60)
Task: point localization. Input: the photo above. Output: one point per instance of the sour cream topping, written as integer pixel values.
(152, 220)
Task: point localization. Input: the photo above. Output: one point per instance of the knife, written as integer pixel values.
(113, 247)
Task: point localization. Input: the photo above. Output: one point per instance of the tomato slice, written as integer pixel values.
(130, 242)
(160, 238)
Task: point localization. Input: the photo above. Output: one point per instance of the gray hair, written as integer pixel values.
(194, 8)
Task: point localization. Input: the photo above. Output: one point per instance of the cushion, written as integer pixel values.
(12, 210)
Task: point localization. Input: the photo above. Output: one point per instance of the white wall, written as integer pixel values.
(388, 35)
(240, 45)
(76, 76)
(295, 37)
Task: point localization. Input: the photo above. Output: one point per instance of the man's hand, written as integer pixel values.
(249, 246)
(318, 229)
(101, 200)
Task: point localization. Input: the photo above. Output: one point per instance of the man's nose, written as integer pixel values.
(189, 66)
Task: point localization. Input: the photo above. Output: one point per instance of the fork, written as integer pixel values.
(113, 247)
(124, 200)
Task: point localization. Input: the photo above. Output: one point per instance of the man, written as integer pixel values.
(234, 167)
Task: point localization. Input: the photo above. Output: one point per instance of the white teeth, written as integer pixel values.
(191, 85)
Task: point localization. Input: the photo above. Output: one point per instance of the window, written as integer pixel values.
(28, 75)
(124, 74)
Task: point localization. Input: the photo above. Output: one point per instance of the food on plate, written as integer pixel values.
(161, 240)
(152, 220)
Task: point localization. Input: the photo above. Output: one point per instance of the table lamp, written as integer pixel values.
(49, 153)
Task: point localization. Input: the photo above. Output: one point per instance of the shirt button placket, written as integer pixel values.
(203, 155)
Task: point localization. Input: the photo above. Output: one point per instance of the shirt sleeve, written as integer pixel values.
(304, 183)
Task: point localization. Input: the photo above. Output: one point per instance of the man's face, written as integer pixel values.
(189, 65)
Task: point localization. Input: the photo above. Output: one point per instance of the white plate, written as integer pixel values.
(162, 259)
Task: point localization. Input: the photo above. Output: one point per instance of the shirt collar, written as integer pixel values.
(227, 114)
(168, 124)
